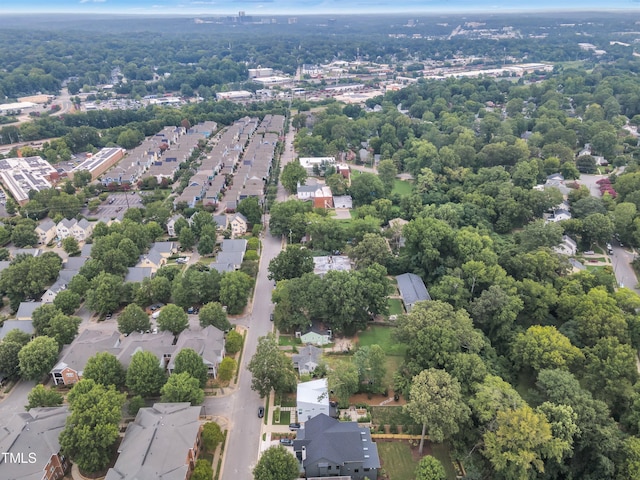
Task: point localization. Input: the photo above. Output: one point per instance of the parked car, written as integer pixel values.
(260, 412)
(271, 317)
(294, 426)
(287, 442)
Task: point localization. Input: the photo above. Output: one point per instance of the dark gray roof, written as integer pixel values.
(235, 245)
(156, 445)
(231, 258)
(307, 354)
(137, 274)
(222, 267)
(327, 439)
(25, 326)
(412, 289)
(85, 346)
(74, 263)
(25, 310)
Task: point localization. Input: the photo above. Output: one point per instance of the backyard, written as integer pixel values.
(402, 188)
(399, 459)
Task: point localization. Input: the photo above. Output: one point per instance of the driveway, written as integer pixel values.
(589, 181)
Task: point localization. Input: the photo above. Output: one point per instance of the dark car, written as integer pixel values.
(287, 442)
(294, 426)
(260, 412)
(271, 317)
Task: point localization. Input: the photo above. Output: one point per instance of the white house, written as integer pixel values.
(82, 229)
(239, 225)
(46, 231)
(171, 224)
(63, 229)
(312, 399)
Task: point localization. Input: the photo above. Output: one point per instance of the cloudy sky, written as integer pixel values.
(287, 7)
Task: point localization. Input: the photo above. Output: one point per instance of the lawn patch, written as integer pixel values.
(285, 418)
(402, 187)
(441, 451)
(288, 340)
(397, 460)
(395, 306)
(381, 335)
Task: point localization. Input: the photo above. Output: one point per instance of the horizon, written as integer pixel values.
(309, 7)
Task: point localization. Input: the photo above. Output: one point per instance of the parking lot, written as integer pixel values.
(116, 209)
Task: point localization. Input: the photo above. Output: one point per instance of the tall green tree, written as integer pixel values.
(145, 376)
(430, 468)
(435, 401)
(182, 387)
(292, 262)
(235, 288)
(293, 174)
(343, 381)
(271, 369)
(371, 364)
(211, 436)
(37, 357)
(173, 319)
(105, 369)
(40, 396)
(227, 369)
(544, 347)
(133, 319)
(213, 314)
(276, 463)
(92, 428)
(187, 360)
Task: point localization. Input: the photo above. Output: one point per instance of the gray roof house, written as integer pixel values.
(138, 274)
(412, 289)
(234, 245)
(307, 359)
(33, 438)
(327, 447)
(162, 443)
(25, 326)
(221, 221)
(160, 344)
(208, 343)
(25, 310)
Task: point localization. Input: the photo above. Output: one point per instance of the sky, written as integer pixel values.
(298, 7)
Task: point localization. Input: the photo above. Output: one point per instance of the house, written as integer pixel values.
(322, 265)
(567, 247)
(315, 338)
(239, 224)
(25, 310)
(319, 194)
(221, 221)
(73, 357)
(161, 344)
(312, 399)
(153, 260)
(343, 201)
(30, 447)
(138, 274)
(171, 225)
(208, 343)
(162, 443)
(307, 359)
(25, 326)
(327, 447)
(63, 229)
(412, 289)
(46, 231)
(82, 229)
(64, 277)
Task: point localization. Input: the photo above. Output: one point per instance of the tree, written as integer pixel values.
(370, 362)
(387, 172)
(24, 235)
(105, 369)
(9, 362)
(271, 369)
(227, 369)
(276, 463)
(213, 314)
(545, 347)
(182, 387)
(135, 404)
(133, 319)
(81, 178)
(42, 316)
(435, 401)
(187, 360)
(37, 357)
(293, 174)
(540, 234)
(40, 396)
(145, 376)
(202, 470)
(172, 318)
(17, 336)
(365, 188)
(235, 288)
(211, 436)
(104, 295)
(491, 396)
(92, 428)
(521, 442)
(187, 239)
(70, 245)
(233, 342)
(63, 328)
(372, 249)
(292, 262)
(206, 245)
(250, 208)
(430, 468)
(67, 301)
(343, 381)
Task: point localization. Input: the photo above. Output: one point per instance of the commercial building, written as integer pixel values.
(100, 162)
(21, 175)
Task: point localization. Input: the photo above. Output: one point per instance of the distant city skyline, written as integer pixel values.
(302, 7)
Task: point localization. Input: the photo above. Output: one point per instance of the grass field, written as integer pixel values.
(285, 418)
(379, 335)
(441, 452)
(402, 187)
(395, 306)
(397, 460)
(288, 340)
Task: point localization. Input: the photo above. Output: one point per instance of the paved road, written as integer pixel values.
(589, 181)
(17, 399)
(621, 260)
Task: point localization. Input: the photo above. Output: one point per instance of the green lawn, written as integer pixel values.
(393, 364)
(380, 335)
(288, 340)
(285, 418)
(397, 460)
(402, 187)
(441, 452)
(395, 306)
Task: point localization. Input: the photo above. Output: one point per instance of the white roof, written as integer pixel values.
(315, 391)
